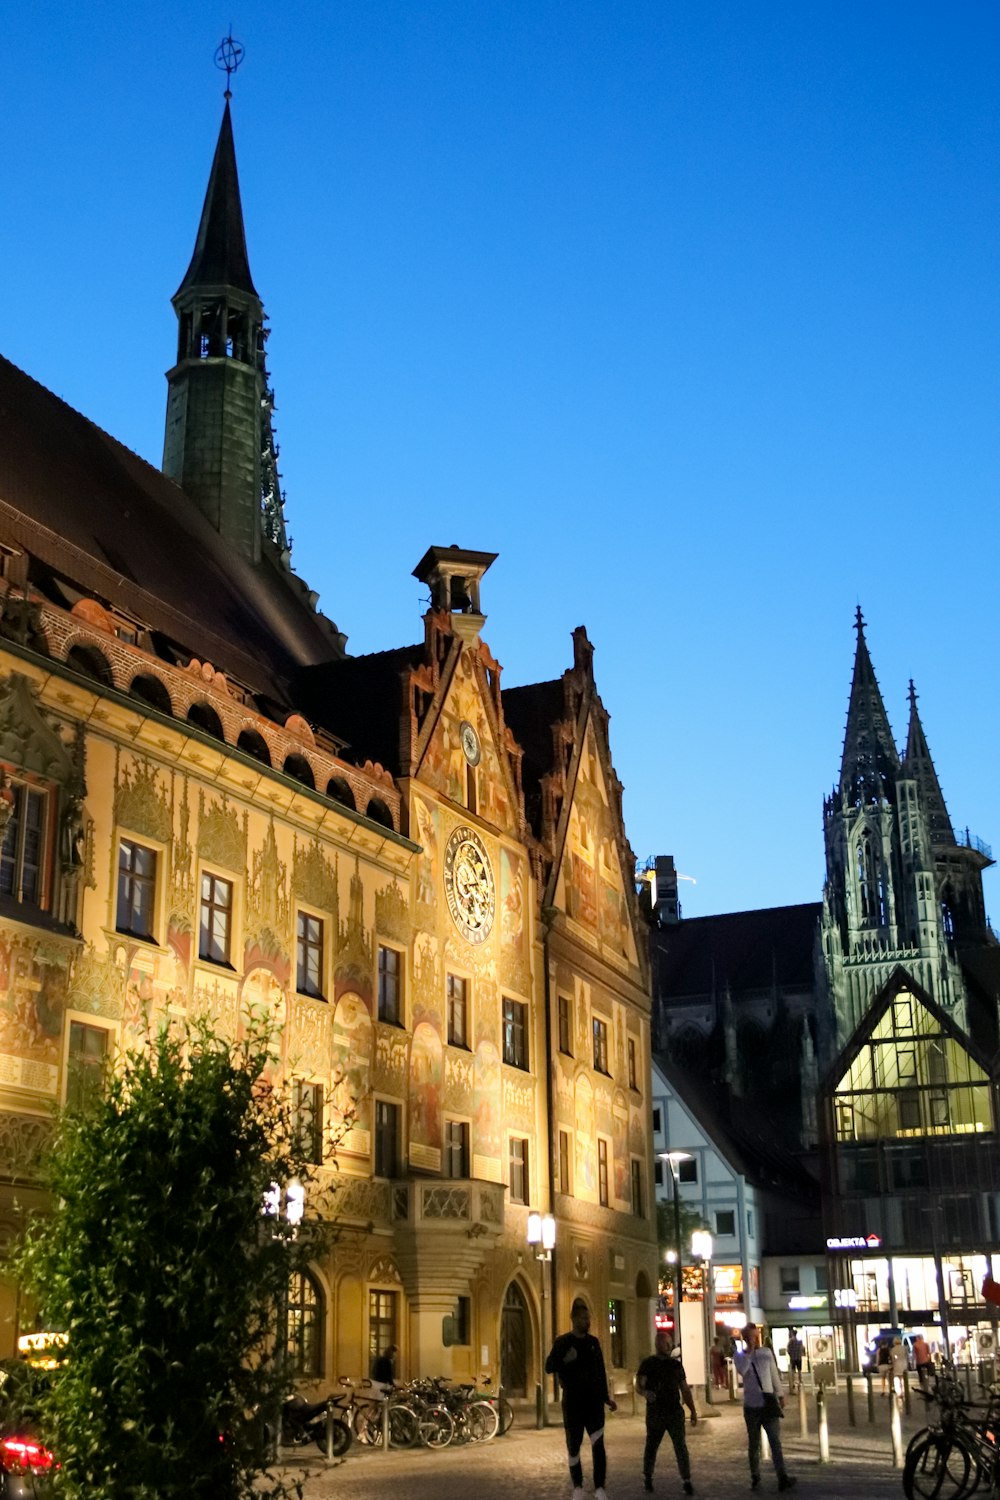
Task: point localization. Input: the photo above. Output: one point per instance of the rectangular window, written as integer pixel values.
(565, 1026)
(458, 1011)
(390, 977)
(616, 1333)
(564, 1185)
(789, 1279)
(656, 1122)
(309, 930)
(750, 1223)
(600, 1031)
(602, 1171)
(383, 1323)
(216, 918)
(22, 855)
(725, 1221)
(518, 1163)
(633, 1077)
(85, 1064)
(307, 1107)
(658, 1173)
(822, 1285)
(305, 1327)
(456, 1326)
(386, 1139)
(515, 1033)
(687, 1170)
(456, 1148)
(636, 1184)
(136, 889)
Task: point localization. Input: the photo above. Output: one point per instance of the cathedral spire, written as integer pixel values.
(918, 765)
(869, 762)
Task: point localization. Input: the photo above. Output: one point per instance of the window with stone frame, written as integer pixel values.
(600, 1034)
(305, 1327)
(518, 1185)
(603, 1177)
(309, 954)
(135, 910)
(565, 1013)
(515, 1033)
(86, 1063)
(216, 918)
(307, 1112)
(26, 841)
(390, 985)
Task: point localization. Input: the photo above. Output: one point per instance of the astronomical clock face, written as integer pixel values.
(468, 885)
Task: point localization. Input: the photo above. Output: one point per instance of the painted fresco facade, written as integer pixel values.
(207, 806)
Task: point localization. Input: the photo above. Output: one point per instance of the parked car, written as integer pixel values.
(26, 1465)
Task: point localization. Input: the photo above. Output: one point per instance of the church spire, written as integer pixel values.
(869, 762)
(918, 765)
(220, 252)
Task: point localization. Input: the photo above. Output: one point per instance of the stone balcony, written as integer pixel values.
(444, 1228)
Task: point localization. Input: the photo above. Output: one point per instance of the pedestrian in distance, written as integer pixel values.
(763, 1405)
(384, 1368)
(794, 1352)
(922, 1359)
(578, 1363)
(900, 1361)
(883, 1362)
(661, 1379)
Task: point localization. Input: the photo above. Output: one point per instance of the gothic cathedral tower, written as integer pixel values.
(901, 889)
(218, 445)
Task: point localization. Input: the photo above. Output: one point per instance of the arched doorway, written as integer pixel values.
(514, 1327)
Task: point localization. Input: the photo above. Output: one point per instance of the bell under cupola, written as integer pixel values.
(453, 576)
(218, 444)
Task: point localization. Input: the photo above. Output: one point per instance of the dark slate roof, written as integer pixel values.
(360, 700)
(748, 950)
(220, 250)
(981, 967)
(530, 713)
(97, 515)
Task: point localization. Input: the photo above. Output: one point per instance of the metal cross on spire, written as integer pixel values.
(228, 56)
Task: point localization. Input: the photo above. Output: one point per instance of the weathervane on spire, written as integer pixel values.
(228, 56)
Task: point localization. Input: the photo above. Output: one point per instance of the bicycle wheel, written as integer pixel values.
(938, 1467)
(342, 1435)
(506, 1415)
(404, 1426)
(367, 1423)
(485, 1421)
(437, 1427)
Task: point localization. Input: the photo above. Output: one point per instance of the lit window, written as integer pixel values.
(216, 918)
(305, 1327)
(136, 889)
(309, 964)
(389, 985)
(383, 1323)
(515, 1033)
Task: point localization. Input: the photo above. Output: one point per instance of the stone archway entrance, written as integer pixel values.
(514, 1338)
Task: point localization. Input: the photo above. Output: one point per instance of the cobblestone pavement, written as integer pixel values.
(531, 1465)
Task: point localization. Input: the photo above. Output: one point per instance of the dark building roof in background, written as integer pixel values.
(220, 250)
(360, 700)
(97, 515)
(746, 950)
(530, 713)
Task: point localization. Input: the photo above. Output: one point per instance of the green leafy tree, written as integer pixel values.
(165, 1274)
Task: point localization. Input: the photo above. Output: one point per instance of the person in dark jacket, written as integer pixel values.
(577, 1361)
(661, 1379)
(384, 1368)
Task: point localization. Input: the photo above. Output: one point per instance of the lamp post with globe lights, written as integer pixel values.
(673, 1160)
(542, 1239)
(701, 1249)
(289, 1204)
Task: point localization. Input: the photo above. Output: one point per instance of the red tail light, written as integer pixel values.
(25, 1453)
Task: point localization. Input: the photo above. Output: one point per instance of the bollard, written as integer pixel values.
(852, 1416)
(803, 1412)
(732, 1380)
(869, 1379)
(906, 1391)
(823, 1425)
(385, 1425)
(329, 1432)
(896, 1432)
(539, 1409)
(765, 1446)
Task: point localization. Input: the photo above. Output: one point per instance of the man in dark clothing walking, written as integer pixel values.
(661, 1379)
(577, 1360)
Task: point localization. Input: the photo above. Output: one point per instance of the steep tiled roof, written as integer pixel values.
(360, 700)
(746, 950)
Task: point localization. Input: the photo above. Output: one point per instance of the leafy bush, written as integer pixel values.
(158, 1263)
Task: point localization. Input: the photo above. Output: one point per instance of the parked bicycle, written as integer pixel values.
(958, 1452)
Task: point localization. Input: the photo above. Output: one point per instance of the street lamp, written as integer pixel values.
(288, 1203)
(672, 1159)
(542, 1239)
(701, 1249)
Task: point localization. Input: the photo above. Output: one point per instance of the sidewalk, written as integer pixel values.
(531, 1465)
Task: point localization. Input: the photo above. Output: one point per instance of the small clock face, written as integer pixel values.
(470, 743)
(468, 885)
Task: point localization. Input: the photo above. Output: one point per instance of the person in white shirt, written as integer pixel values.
(761, 1379)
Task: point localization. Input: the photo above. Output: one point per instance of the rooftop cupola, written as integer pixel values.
(453, 577)
(218, 444)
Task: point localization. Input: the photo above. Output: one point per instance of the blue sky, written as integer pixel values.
(689, 310)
